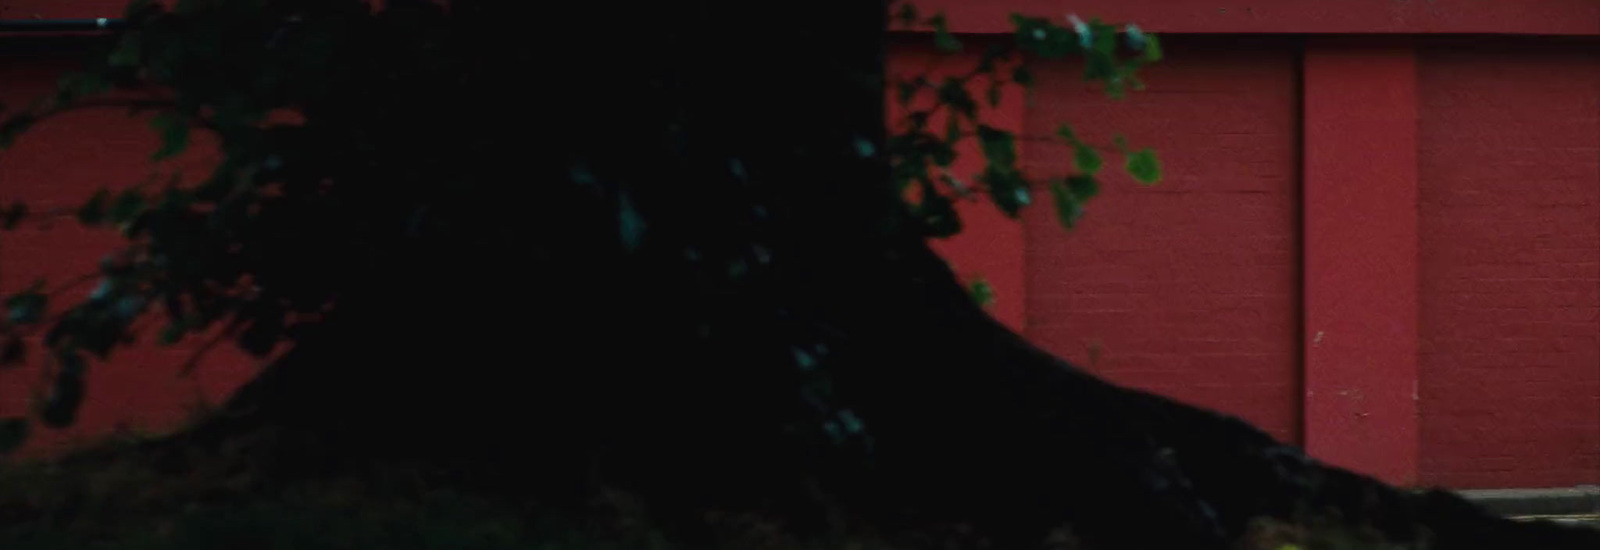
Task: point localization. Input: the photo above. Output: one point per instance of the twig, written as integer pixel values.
(193, 361)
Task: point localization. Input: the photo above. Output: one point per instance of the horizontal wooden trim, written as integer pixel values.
(1541, 17)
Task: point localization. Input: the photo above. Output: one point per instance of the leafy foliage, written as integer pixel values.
(318, 183)
(244, 248)
(982, 292)
(915, 150)
(12, 433)
(1144, 166)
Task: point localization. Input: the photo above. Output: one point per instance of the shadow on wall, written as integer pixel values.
(55, 168)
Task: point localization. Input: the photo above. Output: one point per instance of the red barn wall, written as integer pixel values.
(1359, 243)
(1189, 288)
(58, 165)
(1215, 287)
(1510, 272)
(1384, 248)
(60, 9)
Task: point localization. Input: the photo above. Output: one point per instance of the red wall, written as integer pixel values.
(1189, 288)
(1510, 248)
(60, 9)
(1375, 242)
(1359, 238)
(1541, 17)
(59, 165)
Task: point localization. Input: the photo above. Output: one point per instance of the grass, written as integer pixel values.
(173, 495)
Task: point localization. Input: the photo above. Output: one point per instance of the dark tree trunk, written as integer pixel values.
(962, 420)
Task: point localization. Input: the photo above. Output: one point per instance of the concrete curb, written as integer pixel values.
(1573, 501)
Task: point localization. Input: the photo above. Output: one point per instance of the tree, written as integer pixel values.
(549, 252)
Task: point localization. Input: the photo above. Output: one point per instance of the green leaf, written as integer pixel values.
(917, 120)
(910, 169)
(990, 56)
(630, 224)
(171, 333)
(1006, 185)
(942, 38)
(1068, 208)
(954, 93)
(1087, 160)
(955, 184)
(852, 423)
(907, 14)
(26, 307)
(908, 90)
(13, 433)
(942, 153)
(1135, 37)
(1144, 166)
(865, 148)
(66, 394)
(982, 292)
(938, 213)
(1021, 75)
(1105, 37)
(78, 85)
(14, 215)
(127, 206)
(1083, 187)
(12, 351)
(71, 363)
(15, 126)
(101, 330)
(1133, 80)
(189, 6)
(1152, 48)
(1098, 66)
(137, 7)
(128, 52)
(174, 131)
(835, 433)
(1066, 133)
(805, 360)
(999, 146)
(262, 335)
(175, 202)
(93, 210)
(1083, 31)
(1038, 35)
(1007, 189)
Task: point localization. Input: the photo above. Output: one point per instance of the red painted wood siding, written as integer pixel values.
(60, 164)
(1360, 254)
(1191, 288)
(1510, 247)
(61, 9)
(1542, 17)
